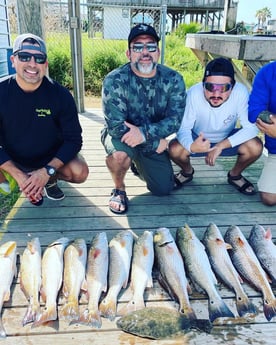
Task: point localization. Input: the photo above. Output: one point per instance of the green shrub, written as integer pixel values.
(183, 29)
(97, 66)
(102, 56)
(60, 68)
(183, 60)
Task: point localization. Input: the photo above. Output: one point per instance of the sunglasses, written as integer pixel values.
(211, 87)
(139, 47)
(26, 57)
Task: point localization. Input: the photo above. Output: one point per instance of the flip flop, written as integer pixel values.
(187, 176)
(116, 197)
(241, 189)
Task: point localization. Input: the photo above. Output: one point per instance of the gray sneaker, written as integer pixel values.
(53, 192)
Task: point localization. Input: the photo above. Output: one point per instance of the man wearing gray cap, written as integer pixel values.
(40, 133)
(215, 123)
(143, 103)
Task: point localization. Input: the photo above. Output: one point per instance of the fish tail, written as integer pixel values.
(218, 309)
(2, 330)
(70, 311)
(48, 314)
(188, 312)
(245, 307)
(108, 309)
(31, 314)
(202, 325)
(91, 318)
(131, 306)
(269, 309)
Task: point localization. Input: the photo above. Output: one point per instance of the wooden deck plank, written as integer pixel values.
(84, 212)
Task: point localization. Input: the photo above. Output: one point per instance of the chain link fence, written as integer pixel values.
(98, 22)
(101, 23)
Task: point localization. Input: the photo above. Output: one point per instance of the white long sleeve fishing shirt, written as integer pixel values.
(216, 123)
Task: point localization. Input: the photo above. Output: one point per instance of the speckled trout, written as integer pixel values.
(261, 242)
(171, 270)
(200, 271)
(247, 264)
(217, 251)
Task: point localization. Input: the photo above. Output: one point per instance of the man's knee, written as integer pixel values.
(80, 172)
(252, 148)
(118, 160)
(161, 189)
(176, 150)
(119, 156)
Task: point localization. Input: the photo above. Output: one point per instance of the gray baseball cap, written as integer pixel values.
(29, 40)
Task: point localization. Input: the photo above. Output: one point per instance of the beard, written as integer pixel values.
(145, 68)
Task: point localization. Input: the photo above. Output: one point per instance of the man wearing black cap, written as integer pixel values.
(40, 133)
(143, 103)
(209, 126)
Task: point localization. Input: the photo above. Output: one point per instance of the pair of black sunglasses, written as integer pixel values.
(139, 47)
(26, 57)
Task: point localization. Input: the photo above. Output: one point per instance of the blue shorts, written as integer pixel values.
(231, 151)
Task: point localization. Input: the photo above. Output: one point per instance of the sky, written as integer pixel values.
(247, 9)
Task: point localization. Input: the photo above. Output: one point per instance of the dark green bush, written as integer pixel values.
(60, 68)
(97, 66)
(184, 29)
(101, 58)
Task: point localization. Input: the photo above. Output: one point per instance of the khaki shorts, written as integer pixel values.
(267, 180)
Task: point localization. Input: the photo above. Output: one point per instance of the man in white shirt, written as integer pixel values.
(213, 110)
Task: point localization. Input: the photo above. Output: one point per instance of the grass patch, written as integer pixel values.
(7, 202)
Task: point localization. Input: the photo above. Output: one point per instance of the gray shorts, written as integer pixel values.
(155, 169)
(267, 180)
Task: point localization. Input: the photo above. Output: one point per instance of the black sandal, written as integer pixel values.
(241, 189)
(116, 197)
(187, 176)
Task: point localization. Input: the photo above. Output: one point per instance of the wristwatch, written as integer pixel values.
(51, 171)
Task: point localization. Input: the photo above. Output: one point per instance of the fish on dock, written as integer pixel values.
(141, 271)
(96, 277)
(160, 323)
(120, 251)
(264, 248)
(199, 270)
(30, 279)
(172, 275)
(249, 267)
(217, 251)
(75, 256)
(8, 272)
(52, 274)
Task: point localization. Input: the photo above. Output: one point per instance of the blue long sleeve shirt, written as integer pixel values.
(38, 126)
(263, 97)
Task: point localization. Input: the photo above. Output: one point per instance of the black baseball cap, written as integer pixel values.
(29, 40)
(142, 29)
(219, 66)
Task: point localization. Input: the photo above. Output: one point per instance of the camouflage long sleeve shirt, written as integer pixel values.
(156, 105)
